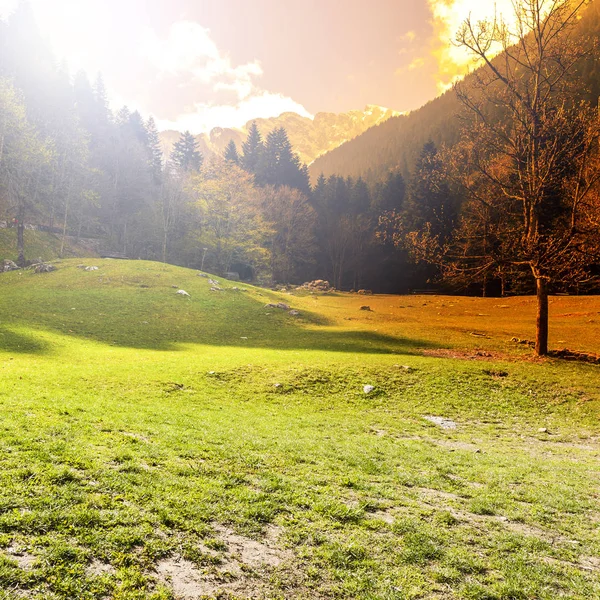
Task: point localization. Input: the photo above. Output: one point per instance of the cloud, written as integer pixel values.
(189, 68)
(452, 62)
(7, 7)
(205, 117)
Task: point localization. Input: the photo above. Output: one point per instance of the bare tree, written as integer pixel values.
(528, 156)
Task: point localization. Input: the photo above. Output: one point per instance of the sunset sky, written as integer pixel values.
(197, 64)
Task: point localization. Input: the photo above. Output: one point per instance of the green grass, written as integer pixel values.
(139, 427)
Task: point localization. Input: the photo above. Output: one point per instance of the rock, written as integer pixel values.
(203, 275)
(175, 287)
(216, 288)
(442, 422)
(364, 293)
(367, 389)
(367, 308)
(9, 265)
(543, 430)
(235, 289)
(91, 268)
(213, 282)
(183, 293)
(294, 313)
(277, 385)
(279, 305)
(318, 285)
(43, 268)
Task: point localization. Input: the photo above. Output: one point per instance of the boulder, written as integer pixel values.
(43, 268)
(9, 265)
(367, 308)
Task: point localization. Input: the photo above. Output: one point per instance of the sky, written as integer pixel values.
(199, 64)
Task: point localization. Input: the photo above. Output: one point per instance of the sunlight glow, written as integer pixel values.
(448, 15)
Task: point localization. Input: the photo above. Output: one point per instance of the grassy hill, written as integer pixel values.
(161, 446)
(40, 244)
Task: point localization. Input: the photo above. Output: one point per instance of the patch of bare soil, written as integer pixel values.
(97, 568)
(24, 560)
(484, 355)
(240, 572)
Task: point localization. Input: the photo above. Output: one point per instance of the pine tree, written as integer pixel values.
(186, 155)
(231, 153)
(281, 166)
(430, 202)
(391, 194)
(252, 150)
(154, 150)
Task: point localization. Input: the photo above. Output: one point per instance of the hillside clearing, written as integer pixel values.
(159, 446)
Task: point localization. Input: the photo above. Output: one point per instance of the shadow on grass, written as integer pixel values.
(157, 319)
(18, 343)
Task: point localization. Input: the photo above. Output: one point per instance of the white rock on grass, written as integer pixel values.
(368, 389)
(183, 293)
(442, 422)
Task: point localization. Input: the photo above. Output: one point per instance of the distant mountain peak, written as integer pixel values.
(310, 137)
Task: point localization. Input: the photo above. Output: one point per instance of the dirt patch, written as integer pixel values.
(382, 515)
(253, 553)
(484, 355)
(24, 560)
(240, 570)
(98, 568)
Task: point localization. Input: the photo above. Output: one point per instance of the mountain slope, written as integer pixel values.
(309, 137)
(396, 143)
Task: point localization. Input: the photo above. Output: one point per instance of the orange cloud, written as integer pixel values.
(452, 61)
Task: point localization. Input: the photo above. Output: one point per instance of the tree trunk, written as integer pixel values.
(21, 237)
(541, 339)
(21, 243)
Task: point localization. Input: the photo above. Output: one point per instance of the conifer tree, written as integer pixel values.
(231, 153)
(252, 150)
(186, 155)
(154, 150)
(430, 202)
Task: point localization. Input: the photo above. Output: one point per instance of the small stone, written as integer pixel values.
(367, 389)
(203, 275)
(277, 385)
(543, 430)
(91, 268)
(216, 288)
(183, 293)
(294, 313)
(367, 308)
(282, 306)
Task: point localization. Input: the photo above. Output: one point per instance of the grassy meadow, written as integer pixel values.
(159, 446)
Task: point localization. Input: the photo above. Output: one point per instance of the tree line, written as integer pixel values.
(68, 162)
